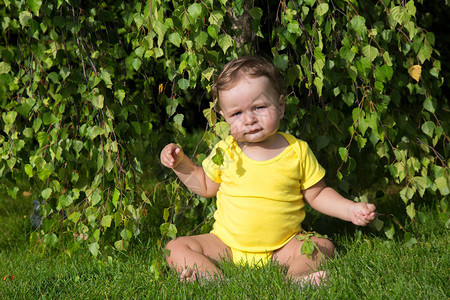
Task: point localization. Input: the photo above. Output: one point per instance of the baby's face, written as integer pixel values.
(252, 108)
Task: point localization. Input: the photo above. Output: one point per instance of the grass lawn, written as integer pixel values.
(367, 266)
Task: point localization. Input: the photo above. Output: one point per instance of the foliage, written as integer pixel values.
(91, 91)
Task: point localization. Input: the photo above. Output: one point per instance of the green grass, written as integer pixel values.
(367, 266)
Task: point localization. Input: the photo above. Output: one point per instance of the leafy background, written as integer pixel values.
(91, 91)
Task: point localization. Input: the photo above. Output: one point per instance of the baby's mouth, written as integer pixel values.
(253, 131)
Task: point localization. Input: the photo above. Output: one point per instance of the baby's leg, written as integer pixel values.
(195, 256)
(299, 265)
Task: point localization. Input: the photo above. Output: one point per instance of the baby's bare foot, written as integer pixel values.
(188, 275)
(314, 279)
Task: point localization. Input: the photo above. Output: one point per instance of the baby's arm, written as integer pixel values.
(192, 175)
(327, 201)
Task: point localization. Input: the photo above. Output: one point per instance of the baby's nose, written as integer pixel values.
(249, 118)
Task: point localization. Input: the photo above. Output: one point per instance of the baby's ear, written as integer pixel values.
(282, 105)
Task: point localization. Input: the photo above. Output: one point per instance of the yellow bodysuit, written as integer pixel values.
(260, 203)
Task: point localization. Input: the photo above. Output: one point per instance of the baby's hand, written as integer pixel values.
(171, 155)
(362, 213)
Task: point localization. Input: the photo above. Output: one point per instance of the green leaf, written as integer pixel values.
(106, 221)
(49, 118)
(175, 38)
(384, 73)
(370, 52)
(377, 224)
(195, 10)
(96, 197)
(281, 61)
(406, 194)
(64, 72)
(346, 53)
(442, 185)
(389, 231)
(210, 115)
(397, 14)
(46, 193)
(74, 217)
(136, 63)
(322, 141)
(208, 73)
(411, 211)
(65, 201)
(50, 239)
(429, 104)
(120, 95)
(225, 41)
(34, 5)
(24, 18)
(183, 83)
(4, 67)
(358, 23)
(428, 128)
(420, 183)
(94, 249)
(218, 157)
(9, 117)
(343, 153)
(222, 129)
(321, 9)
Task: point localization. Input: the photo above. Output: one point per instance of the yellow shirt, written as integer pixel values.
(260, 203)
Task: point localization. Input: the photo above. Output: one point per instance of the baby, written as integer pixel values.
(262, 184)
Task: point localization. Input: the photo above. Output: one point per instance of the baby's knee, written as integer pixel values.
(179, 244)
(325, 246)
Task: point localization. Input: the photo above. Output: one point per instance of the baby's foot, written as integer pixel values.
(188, 275)
(314, 279)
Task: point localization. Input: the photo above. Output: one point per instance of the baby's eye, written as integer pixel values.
(236, 114)
(260, 107)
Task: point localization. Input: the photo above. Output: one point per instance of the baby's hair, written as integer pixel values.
(253, 66)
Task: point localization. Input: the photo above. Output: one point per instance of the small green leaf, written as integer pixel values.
(428, 128)
(9, 117)
(222, 129)
(116, 197)
(384, 73)
(208, 73)
(106, 221)
(321, 9)
(46, 193)
(343, 153)
(35, 6)
(358, 23)
(175, 38)
(136, 63)
(4, 67)
(74, 217)
(64, 72)
(96, 197)
(183, 83)
(49, 118)
(94, 248)
(370, 52)
(281, 61)
(195, 10)
(218, 157)
(24, 18)
(225, 41)
(389, 231)
(322, 141)
(411, 211)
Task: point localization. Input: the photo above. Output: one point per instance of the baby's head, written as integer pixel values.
(249, 93)
(247, 66)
